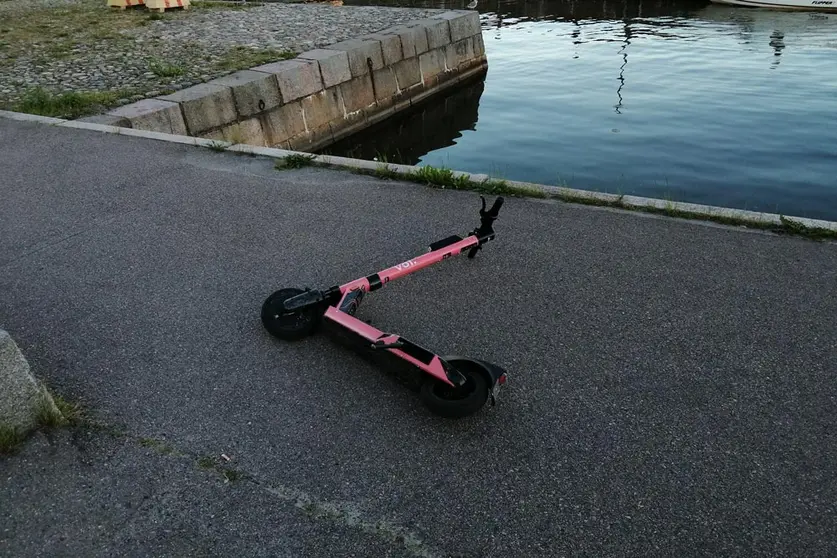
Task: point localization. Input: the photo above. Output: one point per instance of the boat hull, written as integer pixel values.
(806, 5)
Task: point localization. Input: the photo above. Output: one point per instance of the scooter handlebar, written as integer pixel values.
(495, 209)
(485, 232)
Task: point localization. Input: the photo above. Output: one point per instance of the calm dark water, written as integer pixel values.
(674, 99)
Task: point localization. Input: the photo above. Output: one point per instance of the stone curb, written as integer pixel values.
(626, 202)
(23, 117)
(322, 94)
(21, 394)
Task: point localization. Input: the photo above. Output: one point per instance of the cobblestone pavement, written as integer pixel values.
(82, 45)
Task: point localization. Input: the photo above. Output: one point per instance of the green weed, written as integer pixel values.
(164, 69)
(295, 161)
(65, 105)
(240, 57)
(10, 439)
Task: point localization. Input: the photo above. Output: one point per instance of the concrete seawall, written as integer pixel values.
(322, 95)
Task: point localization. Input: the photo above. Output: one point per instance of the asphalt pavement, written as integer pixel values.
(671, 386)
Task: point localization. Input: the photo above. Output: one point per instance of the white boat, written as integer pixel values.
(807, 5)
(816, 28)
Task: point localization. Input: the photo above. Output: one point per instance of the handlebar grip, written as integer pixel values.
(495, 209)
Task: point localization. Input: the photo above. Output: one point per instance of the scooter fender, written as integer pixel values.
(493, 373)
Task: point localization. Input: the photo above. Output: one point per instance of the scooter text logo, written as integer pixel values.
(406, 265)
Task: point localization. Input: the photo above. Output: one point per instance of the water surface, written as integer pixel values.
(675, 99)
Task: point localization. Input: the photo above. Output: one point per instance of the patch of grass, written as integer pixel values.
(59, 412)
(47, 413)
(231, 475)
(240, 58)
(157, 445)
(795, 227)
(73, 412)
(209, 464)
(441, 178)
(58, 50)
(53, 30)
(66, 105)
(10, 439)
(218, 146)
(786, 225)
(384, 172)
(446, 179)
(394, 157)
(164, 69)
(224, 5)
(295, 161)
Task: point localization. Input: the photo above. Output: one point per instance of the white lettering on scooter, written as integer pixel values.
(405, 265)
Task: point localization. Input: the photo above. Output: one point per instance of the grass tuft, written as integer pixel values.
(240, 57)
(164, 69)
(501, 187)
(157, 445)
(73, 413)
(10, 439)
(65, 105)
(224, 5)
(786, 226)
(445, 178)
(231, 475)
(441, 178)
(206, 462)
(216, 145)
(47, 414)
(295, 161)
(816, 233)
(384, 172)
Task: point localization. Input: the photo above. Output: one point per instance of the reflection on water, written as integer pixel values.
(434, 125)
(672, 98)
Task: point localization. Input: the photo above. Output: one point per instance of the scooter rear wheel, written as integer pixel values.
(289, 326)
(456, 402)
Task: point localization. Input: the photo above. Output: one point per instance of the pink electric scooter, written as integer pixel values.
(450, 386)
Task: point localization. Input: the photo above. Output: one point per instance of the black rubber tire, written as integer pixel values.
(450, 402)
(290, 326)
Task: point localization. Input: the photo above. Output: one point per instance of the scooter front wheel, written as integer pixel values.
(456, 402)
(289, 326)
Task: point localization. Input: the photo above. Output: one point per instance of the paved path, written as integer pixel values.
(672, 389)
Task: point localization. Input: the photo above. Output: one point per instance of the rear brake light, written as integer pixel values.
(502, 380)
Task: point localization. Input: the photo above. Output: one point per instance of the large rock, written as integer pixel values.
(413, 39)
(205, 106)
(334, 65)
(390, 47)
(283, 123)
(296, 78)
(363, 53)
(253, 92)
(154, 115)
(357, 94)
(462, 24)
(407, 73)
(22, 397)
